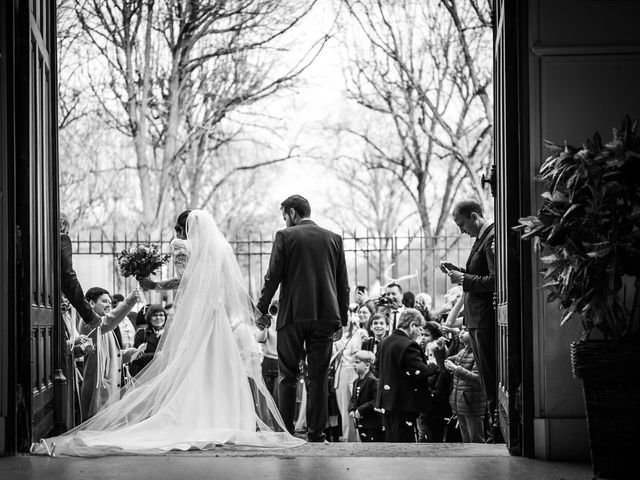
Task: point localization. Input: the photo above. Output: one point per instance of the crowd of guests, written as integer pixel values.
(400, 373)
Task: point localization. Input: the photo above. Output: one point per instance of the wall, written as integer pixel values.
(584, 66)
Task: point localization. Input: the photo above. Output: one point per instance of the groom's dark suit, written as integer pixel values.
(308, 263)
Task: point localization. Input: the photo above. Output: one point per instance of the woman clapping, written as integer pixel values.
(150, 337)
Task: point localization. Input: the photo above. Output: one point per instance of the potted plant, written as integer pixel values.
(588, 234)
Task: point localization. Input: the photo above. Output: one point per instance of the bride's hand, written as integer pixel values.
(146, 283)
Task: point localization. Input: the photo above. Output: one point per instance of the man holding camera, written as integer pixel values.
(394, 295)
(308, 264)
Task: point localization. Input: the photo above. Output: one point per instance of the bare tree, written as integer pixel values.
(422, 72)
(375, 210)
(171, 76)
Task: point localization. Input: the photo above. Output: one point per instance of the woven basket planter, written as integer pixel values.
(611, 387)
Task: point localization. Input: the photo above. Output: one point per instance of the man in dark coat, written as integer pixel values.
(308, 264)
(478, 282)
(72, 290)
(69, 283)
(403, 388)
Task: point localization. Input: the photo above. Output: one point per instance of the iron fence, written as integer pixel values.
(372, 261)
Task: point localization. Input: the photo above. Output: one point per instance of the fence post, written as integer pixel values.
(249, 259)
(394, 256)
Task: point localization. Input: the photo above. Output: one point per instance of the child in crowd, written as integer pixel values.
(439, 388)
(379, 328)
(467, 396)
(365, 389)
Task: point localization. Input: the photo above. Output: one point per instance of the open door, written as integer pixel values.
(36, 219)
(512, 185)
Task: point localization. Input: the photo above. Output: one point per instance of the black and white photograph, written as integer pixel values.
(310, 239)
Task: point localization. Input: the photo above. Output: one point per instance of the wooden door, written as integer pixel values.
(36, 218)
(512, 187)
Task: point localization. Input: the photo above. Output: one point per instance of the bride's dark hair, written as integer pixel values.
(182, 221)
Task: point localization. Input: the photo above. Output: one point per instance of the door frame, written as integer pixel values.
(514, 322)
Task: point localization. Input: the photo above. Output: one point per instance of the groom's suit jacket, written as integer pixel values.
(308, 263)
(479, 283)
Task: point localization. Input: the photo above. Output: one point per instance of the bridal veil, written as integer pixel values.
(204, 387)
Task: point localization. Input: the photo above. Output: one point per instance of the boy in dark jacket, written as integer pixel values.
(365, 389)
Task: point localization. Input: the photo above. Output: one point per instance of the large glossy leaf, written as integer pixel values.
(567, 316)
(550, 284)
(533, 232)
(550, 259)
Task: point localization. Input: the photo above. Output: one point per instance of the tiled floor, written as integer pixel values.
(308, 462)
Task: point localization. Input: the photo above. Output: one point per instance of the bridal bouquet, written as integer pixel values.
(141, 260)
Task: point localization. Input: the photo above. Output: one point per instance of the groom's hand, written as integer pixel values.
(264, 321)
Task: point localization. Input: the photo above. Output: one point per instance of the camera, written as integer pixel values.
(385, 300)
(273, 309)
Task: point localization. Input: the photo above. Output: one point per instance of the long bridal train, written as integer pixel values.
(204, 387)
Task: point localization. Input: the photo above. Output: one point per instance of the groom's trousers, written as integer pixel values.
(313, 340)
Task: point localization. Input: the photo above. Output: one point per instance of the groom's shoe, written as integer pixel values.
(318, 438)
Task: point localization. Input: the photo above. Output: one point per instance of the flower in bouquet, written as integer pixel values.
(141, 260)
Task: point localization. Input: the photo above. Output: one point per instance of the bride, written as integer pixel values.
(204, 387)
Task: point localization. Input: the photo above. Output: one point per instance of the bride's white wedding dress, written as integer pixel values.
(204, 387)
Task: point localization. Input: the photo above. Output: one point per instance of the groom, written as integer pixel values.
(308, 263)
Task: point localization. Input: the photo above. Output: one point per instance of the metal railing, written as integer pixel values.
(372, 260)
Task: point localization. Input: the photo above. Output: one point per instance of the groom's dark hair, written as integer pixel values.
(298, 203)
(466, 207)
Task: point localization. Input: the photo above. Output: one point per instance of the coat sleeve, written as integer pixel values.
(70, 284)
(342, 284)
(472, 376)
(139, 338)
(113, 318)
(483, 283)
(274, 273)
(352, 400)
(412, 362)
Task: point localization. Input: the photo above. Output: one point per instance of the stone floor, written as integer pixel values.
(308, 462)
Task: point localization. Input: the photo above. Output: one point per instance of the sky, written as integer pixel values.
(318, 99)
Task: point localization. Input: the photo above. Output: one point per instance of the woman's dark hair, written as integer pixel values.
(181, 222)
(369, 305)
(94, 293)
(434, 329)
(298, 203)
(409, 299)
(154, 308)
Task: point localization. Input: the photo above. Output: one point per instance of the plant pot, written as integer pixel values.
(609, 375)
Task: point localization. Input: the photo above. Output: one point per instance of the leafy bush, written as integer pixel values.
(588, 230)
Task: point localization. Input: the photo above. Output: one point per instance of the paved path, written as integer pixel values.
(308, 462)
